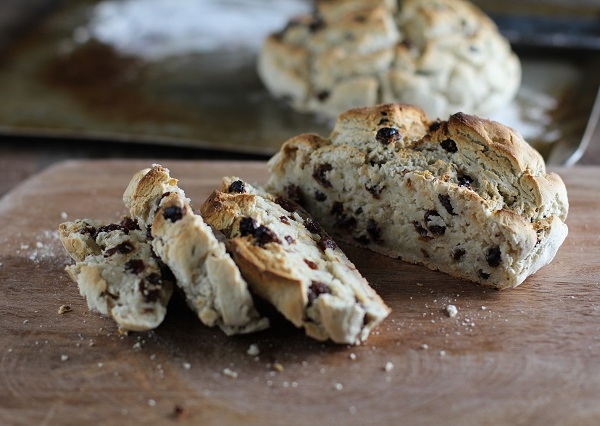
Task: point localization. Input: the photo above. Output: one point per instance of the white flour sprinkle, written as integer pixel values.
(156, 29)
(253, 350)
(230, 373)
(47, 246)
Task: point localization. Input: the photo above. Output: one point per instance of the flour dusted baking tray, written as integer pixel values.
(193, 83)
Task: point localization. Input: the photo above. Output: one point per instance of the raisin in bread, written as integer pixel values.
(443, 55)
(292, 263)
(212, 284)
(466, 196)
(117, 272)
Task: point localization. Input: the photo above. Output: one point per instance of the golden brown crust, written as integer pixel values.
(219, 212)
(267, 280)
(147, 185)
(79, 244)
(500, 138)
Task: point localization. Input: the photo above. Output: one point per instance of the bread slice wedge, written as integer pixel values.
(212, 284)
(292, 263)
(117, 272)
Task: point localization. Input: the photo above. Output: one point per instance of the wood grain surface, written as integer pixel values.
(525, 356)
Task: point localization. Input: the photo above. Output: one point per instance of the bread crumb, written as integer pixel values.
(338, 386)
(63, 309)
(388, 366)
(253, 350)
(278, 367)
(152, 403)
(230, 373)
(424, 346)
(64, 357)
(451, 310)
(179, 411)
(122, 331)
(25, 321)
(187, 365)
(64, 215)
(442, 353)
(352, 356)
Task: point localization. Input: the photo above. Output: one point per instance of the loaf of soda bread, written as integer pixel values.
(442, 55)
(466, 196)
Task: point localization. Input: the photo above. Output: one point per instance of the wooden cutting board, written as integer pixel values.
(524, 356)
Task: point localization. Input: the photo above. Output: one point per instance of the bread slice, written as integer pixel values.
(117, 272)
(211, 282)
(291, 262)
(466, 196)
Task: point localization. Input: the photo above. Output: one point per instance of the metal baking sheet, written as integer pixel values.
(58, 80)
